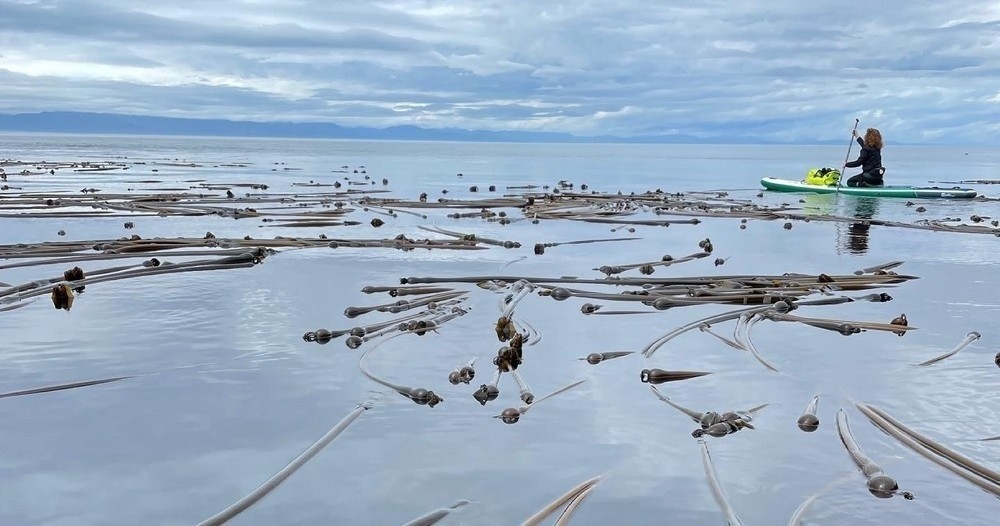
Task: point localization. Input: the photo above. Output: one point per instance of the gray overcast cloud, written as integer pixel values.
(922, 71)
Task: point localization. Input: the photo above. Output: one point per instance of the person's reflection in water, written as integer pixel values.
(856, 241)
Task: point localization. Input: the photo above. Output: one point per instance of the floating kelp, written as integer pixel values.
(621, 312)
(717, 492)
(746, 321)
(574, 503)
(463, 374)
(659, 376)
(776, 295)
(395, 291)
(650, 349)
(270, 484)
(509, 358)
(525, 394)
(706, 328)
(712, 423)
(416, 291)
(796, 518)
(62, 387)
(62, 292)
(880, 297)
(472, 238)
(664, 262)
(403, 305)
(388, 211)
(512, 415)
(808, 421)
(845, 282)
(899, 321)
(531, 336)
(843, 327)
(489, 391)
(565, 293)
(62, 297)
(754, 212)
(519, 290)
(667, 297)
(969, 338)
(970, 470)
(418, 395)
(363, 333)
(423, 323)
(505, 329)
(879, 484)
(93, 250)
(511, 262)
(540, 247)
(590, 308)
(437, 515)
(878, 268)
(574, 495)
(719, 318)
(105, 256)
(598, 357)
(557, 205)
(716, 425)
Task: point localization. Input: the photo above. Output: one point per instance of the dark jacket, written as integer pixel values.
(870, 159)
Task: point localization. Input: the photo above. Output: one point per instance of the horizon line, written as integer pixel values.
(544, 137)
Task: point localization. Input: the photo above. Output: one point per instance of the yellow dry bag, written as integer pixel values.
(822, 176)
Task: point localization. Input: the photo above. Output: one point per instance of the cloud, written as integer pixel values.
(781, 70)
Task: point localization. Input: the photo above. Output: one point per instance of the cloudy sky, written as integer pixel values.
(922, 71)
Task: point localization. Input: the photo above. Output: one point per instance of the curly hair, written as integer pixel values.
(873, 139)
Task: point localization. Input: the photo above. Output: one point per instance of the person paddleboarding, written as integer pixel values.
(869, 159)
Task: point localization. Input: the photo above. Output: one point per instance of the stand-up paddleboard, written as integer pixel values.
(787, 185)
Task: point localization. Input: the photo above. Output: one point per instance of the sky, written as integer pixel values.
(784, 70)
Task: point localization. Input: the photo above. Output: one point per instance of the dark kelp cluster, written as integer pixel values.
(424, 305)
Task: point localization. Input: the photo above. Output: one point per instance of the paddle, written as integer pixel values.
(848, 157)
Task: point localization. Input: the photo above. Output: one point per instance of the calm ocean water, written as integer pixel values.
(227, 392)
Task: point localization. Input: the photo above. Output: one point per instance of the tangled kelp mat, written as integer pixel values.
(424, 306)
(332, 200)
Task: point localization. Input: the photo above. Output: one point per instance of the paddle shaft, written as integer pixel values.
(848, 156)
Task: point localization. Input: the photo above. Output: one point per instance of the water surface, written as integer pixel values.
(227, 392)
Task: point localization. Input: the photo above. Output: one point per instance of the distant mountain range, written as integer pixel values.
(109, 123)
